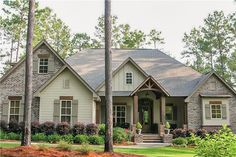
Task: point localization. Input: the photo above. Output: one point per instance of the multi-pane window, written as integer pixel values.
(216, 111)
(14, 110)
(129, 78)
(169, 112)
(43, 65)
(66, 109)
(119, 112)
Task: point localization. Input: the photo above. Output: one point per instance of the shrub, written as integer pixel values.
(78, 128)
(13, 136)
(63, 145)
(138, 126)
(80, 139)
(219, 144)
(189, 132)
(92, 129)
(167, 125)
(119, 135)
(96, 140)
(54, 138)
(39, 137)
(68, 138)
(3, 135)
(35, 127)
(180, 141)
(13, 127)
(3, 125)
(48, 128)
(179, 133)
(63, 128)
(85, 149)
(101, 128)
(201, 133)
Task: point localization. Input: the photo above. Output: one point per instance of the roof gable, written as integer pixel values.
(40, 44)
(204, 80)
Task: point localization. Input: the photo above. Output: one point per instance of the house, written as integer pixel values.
(149, 87)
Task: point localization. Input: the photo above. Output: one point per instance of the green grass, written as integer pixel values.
(149, 152)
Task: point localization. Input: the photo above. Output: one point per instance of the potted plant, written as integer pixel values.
(167, 128)
(138, 128)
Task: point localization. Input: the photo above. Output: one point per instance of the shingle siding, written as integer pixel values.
(13, 85)
(195, 106)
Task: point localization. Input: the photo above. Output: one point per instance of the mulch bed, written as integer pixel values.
(34, 151)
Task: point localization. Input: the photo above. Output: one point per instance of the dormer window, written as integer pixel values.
(43, 65)
(129, 78)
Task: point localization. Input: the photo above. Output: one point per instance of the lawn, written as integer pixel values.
(149, 152)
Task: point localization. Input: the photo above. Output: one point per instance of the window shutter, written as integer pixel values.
(224, 111)
(128, 114)
(21, 111)
(5, 109)
(51, 65)
(74, 111)
(174, 112)
(56, 111)
(207, 111)
(35, 66)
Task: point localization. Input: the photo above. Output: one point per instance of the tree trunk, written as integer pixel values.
(26, 135)
(108, 79)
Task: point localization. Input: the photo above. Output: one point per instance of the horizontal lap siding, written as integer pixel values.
(77, 90)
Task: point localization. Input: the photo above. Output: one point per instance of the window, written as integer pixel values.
(216, 111)
(129, 78)
(171, 112)
(66, 109)
(14, 110)
(43, 65)
(119, 112)
(66, 84)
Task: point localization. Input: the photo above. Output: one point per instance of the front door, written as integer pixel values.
(145, 114)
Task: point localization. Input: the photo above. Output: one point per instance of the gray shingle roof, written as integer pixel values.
(174, 76)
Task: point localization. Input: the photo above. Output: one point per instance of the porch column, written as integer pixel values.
(135, 109)
(185, 122)
(163, 110)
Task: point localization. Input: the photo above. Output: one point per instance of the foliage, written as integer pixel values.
(138, 126)
(212, 45)
(39, 137)
(35, 127)
(201, 133)
(179, 132)
(155, 37)
(96, 140)
(80, 139)
(91, 129)
(85, 148)
(3, 125)
(63, 128)
(13, 136)
(221, 144)
(78, 128)
(3, 135)
(47, 127)
(167, 126)
(101, 128)
(68, 138)
(119, 135)
(62, 145)
(14, 126)
(54, 138)
(180, 141)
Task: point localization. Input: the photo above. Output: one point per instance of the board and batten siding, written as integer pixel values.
(119, 79)
(76, 89)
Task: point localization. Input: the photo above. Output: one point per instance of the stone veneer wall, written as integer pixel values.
(14, 84)
(195, 106)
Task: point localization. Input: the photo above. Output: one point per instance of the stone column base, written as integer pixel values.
(167, 138)
(138, 138)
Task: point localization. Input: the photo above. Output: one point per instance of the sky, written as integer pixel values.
(172, 17)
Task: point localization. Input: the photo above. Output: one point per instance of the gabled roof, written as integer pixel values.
(173, 76)
(129, 59)
(204, 79)
(43, 42)
(150, 78)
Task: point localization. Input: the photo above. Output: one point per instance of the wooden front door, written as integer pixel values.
(146, 114)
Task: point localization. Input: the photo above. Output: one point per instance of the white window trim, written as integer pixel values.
(131, 79)
(116, 112)
(9, 108)
(70, 113)
(220, 111)
(39, 66)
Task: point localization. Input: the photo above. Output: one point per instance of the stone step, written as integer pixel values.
(152, 141)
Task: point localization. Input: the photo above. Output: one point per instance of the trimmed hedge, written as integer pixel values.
(63, 128)
(92, 129)
(81, 139)
(78, 128)
(96, 140)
